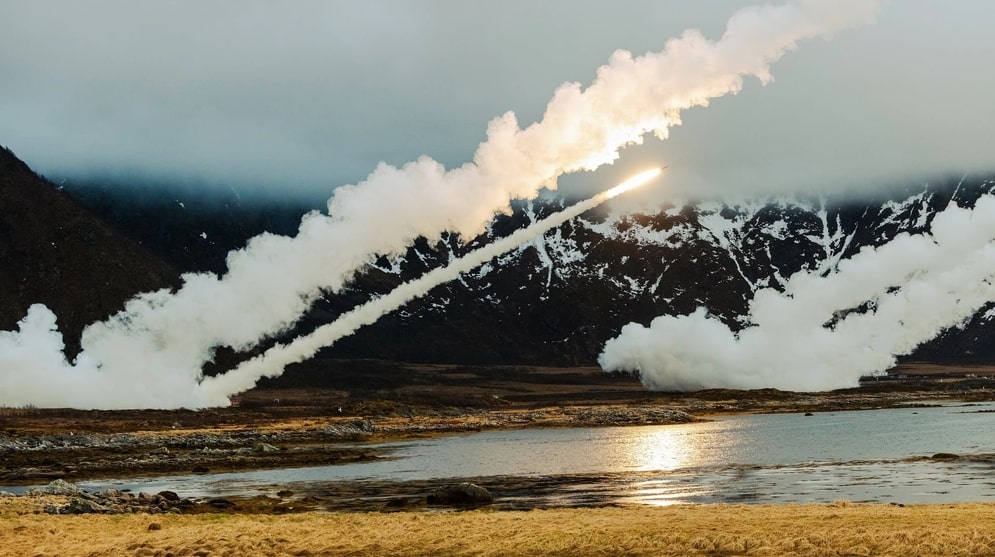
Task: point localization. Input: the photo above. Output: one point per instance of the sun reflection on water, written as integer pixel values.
(663, 449)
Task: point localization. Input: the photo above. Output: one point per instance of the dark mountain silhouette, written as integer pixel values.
(56, 252)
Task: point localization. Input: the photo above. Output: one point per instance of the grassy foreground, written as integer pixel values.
(839, 529)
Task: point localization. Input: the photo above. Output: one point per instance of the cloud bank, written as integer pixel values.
(302, 98)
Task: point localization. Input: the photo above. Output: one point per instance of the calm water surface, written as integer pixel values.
(873, 455)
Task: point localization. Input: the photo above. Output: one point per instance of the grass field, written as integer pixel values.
(838, 529)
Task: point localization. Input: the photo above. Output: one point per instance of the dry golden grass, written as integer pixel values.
(842, 529)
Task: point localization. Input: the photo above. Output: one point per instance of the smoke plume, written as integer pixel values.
(152, 353)
(216, 390)
(825, 332)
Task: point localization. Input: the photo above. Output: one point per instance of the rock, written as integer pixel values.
(265, 448)
(945, 456)
(49, 508)
(155, 526)
(464, 494)
(168, 496)
(79, 505)
(61, 487)
(109, 493)
(7, 494)
(220, 503)
(402, 503)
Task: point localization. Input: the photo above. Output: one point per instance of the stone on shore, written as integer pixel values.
(465, 494)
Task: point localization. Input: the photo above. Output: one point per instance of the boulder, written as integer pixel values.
(465, 494)
(168, 496)
(78, 505)
(61, 487)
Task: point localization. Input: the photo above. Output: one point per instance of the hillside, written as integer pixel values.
(56, 252)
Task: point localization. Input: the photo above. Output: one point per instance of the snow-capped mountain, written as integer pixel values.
(557, 299)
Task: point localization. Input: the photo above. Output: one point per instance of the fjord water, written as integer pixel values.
(872, 455)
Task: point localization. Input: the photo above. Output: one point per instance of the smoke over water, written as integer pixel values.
(151, 354)
(824, 332)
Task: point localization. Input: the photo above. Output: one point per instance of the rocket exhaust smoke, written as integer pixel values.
(151, 354)
(814, 336)
(216, 390)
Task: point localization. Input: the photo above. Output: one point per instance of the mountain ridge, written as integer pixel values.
(557, 299)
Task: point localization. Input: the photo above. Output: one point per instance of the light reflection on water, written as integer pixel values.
(860, 456)
(662, 449)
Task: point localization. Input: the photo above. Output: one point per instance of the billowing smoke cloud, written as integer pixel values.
(824, 332)
(152, 353)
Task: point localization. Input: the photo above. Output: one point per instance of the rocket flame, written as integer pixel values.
(636, 181)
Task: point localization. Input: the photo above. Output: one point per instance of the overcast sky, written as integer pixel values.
(311, 94)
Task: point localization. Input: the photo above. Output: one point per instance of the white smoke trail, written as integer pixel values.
(216, 390)
(151, 354)
(914, 288)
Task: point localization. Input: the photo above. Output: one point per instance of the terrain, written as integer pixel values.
(53, 251)
(840, 528)
(296, 421)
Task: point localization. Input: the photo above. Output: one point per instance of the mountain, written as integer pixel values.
(191, 226)
(557, 299)
(56, 252)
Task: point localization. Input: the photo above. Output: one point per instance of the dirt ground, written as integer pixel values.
(324, 419)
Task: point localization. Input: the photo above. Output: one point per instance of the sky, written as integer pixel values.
(295, 99)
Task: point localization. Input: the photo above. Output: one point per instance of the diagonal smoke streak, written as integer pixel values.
(216, 390)
(151, 354)
(917, 285)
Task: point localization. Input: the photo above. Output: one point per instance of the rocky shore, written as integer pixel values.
(32, 459)
(292, 427)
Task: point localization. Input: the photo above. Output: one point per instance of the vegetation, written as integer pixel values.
(801, 530)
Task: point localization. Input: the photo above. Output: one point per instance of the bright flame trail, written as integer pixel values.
(215, 391)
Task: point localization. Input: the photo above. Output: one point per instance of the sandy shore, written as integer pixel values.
(837, 529)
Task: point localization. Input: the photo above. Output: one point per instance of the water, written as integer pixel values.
(876, 455)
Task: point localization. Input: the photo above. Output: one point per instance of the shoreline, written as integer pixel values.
(392, 518)
(35, 448)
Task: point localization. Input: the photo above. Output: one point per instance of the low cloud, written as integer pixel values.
(309, 96)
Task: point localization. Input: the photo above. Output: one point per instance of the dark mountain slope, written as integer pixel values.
(55, 252)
